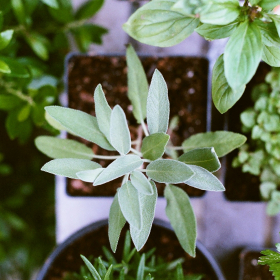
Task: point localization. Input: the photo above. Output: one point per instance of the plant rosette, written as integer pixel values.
(135, 200)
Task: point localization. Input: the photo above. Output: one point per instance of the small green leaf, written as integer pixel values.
(102, 111)
(141, 183)
(203, 157)
(51, 3)
(19, 12)
(137, 84)
(91, 268)
(158, 105)
(89, 175)
(213, 32)
(118, 168)
(271, 55)
(80, 124)
(266, 188)
(269, 34)
(169, 171)
(4, 68)
(17, 70)
(9, 102)
(242, 54)
(64, 13)
(128, 198)
(5, 38)
(153, 146)
(269, 4)
(24, 113)
(39, 44)
(68, 167)
(156, 24)
(116, 223)
(276, 20)
(148, 206)
(224, 97)
(181, 216)
(141, 268)
(108, 273)
(204, 180)
(89, 9)
(119, 132)
(248, 118)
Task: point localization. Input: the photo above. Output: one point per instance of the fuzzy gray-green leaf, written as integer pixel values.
(148, 206)
(119, 132)
(116, 223)
(204, 180)
(141, 183)
(242, 54)
(203, 157)
(181, 216)
(271, 55)
(80, 124)
(153, 146)
(169, 171)
(102, 111)
(137, 84)
(223, 141)
(224, 97)
(128, 198)
(89, 175)
(62, 148)
(68, 167)
(118, 168)
(158, 105)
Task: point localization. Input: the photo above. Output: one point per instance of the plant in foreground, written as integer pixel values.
(135, 200)
(133, 266)
(261, 156)
(252, 27)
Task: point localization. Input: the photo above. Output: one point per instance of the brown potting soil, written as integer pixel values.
(164, 240)
(186, 80)
(252, 270)
(242, 186)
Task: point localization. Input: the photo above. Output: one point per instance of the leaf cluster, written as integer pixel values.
(141, 163)
(261, 156)
(133, 266)
(252, 28)
(33, 42)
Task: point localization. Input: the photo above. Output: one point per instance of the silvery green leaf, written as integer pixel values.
(169, 171)
(116, 223)
(269, 4)
(153, 146)
(89, 175)
(119, 132)
(271, 55)
(204, 180)
(224, 97)
(52, 122)
(62, 148)
(220, 13)
(272, 208)
(141, 183)
(266, 188)
(181, 216)
(128, 198)
(213, 32)
(80, 124)
(118, 168)
(156, 24)
(269, 34)
(158, 105)
(223, 141)
(68, 167)
(102, 111)
(203, 157)
(242, 54)
(148, 206)
(137, 84)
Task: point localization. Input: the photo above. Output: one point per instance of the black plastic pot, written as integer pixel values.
(66, 257)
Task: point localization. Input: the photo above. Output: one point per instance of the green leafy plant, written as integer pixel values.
(252, 27)
(135, 200)
(133, 266)
(261, 156)
(33, 42)
(272, 259)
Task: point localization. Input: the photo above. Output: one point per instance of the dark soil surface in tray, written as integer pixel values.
(242, 186)
(163, 239)
(186, 79)
(251, 270)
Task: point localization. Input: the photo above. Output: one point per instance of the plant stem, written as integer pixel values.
(105, 157)
(142, 170)
(125, 178)
(175, 148)
(144, 128)
(135, 152)
(19, 94)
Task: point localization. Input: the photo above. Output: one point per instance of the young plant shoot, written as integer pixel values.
(141, 164)
(251, 26)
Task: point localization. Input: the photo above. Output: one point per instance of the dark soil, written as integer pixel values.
(242, 186)
(91, 244)
(186, 79)
(251, 270)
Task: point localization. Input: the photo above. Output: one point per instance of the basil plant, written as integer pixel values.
(251, 26)
(141, 168)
